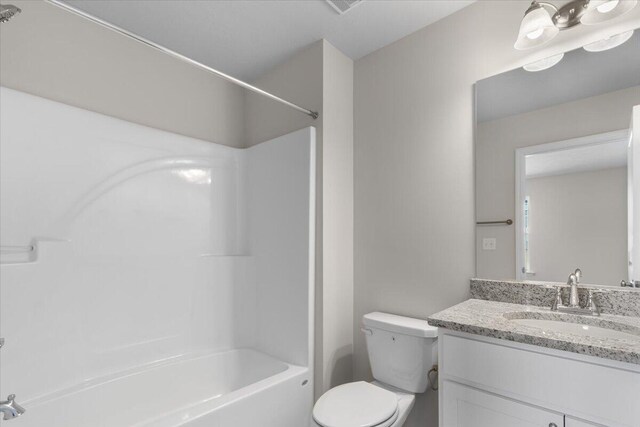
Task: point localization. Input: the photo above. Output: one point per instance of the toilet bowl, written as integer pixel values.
(401, 351)
(363, 404)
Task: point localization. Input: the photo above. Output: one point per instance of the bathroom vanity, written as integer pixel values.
(505, 359)
(557, 192)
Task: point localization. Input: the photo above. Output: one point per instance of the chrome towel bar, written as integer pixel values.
(505, 222)
(16, 249)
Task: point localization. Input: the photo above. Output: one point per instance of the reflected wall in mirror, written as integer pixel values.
(573, 196)
(555, 153)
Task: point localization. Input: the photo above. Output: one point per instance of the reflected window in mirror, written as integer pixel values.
(526, 226)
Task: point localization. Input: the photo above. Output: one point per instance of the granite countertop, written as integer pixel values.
(492, 319)
(610, 299)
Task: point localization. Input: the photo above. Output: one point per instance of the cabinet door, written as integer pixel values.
(572, 422)
(468, 407)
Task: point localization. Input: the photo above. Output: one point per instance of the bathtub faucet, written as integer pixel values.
(10, 409)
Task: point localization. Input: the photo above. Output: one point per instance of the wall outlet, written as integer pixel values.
(489, 244)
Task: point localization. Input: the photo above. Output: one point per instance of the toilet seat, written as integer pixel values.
(356, 404)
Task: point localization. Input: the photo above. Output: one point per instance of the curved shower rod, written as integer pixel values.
(170, 52)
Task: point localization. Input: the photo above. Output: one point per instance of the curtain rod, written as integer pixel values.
(183, 58)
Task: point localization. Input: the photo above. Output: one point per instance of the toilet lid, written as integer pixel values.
(355, 404)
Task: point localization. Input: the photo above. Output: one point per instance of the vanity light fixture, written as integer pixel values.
(539, 26)
(536, 27)
(544, 64)
(609, 42)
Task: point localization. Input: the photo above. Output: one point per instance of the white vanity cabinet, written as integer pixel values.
(488, 382)
(464, 406)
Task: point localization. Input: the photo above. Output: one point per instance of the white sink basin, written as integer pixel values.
(576, 329)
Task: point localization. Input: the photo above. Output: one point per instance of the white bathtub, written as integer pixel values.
(235, 388)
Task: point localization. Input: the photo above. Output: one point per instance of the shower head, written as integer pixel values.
(8, 11)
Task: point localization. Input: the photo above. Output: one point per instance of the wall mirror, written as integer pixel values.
(557, 168)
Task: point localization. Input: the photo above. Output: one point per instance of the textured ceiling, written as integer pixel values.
(245, 38)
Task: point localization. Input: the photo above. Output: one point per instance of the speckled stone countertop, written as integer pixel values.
(495, 319)
(610, 299)
(495, 304)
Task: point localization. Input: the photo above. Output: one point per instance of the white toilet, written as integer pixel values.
(401, 350)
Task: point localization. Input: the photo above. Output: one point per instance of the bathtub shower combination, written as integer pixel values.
(150, 279)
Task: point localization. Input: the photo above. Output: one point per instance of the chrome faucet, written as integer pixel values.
(574, 301)
(573, 281)
(578, 274)
(10, 409)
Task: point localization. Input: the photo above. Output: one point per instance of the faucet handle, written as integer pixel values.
(557, 302)
(591, 304)
(578, 274)
(11, 409)
(630, 283)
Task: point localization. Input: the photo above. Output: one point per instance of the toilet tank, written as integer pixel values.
(401, 350)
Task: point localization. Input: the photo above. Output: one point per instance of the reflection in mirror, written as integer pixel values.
(554, 154)
(574, 208)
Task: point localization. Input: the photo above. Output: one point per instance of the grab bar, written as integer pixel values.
(16, 249)
(506, 222)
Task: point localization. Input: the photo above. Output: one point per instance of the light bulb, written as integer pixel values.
(544, 64)
(599, 11)
(609, 42)
(536, 28)
(535, 34)
(608, 6)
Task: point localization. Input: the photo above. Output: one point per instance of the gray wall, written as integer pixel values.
(299, 80)
(579, 220)
(497, 141)
(54, 54)
(414, 163)
(337, 154)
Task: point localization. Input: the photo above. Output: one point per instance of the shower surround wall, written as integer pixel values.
(151, 249)
(57, 55)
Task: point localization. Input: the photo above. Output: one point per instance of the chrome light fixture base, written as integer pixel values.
(570, 14)
(8, 11)
(543, 20)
